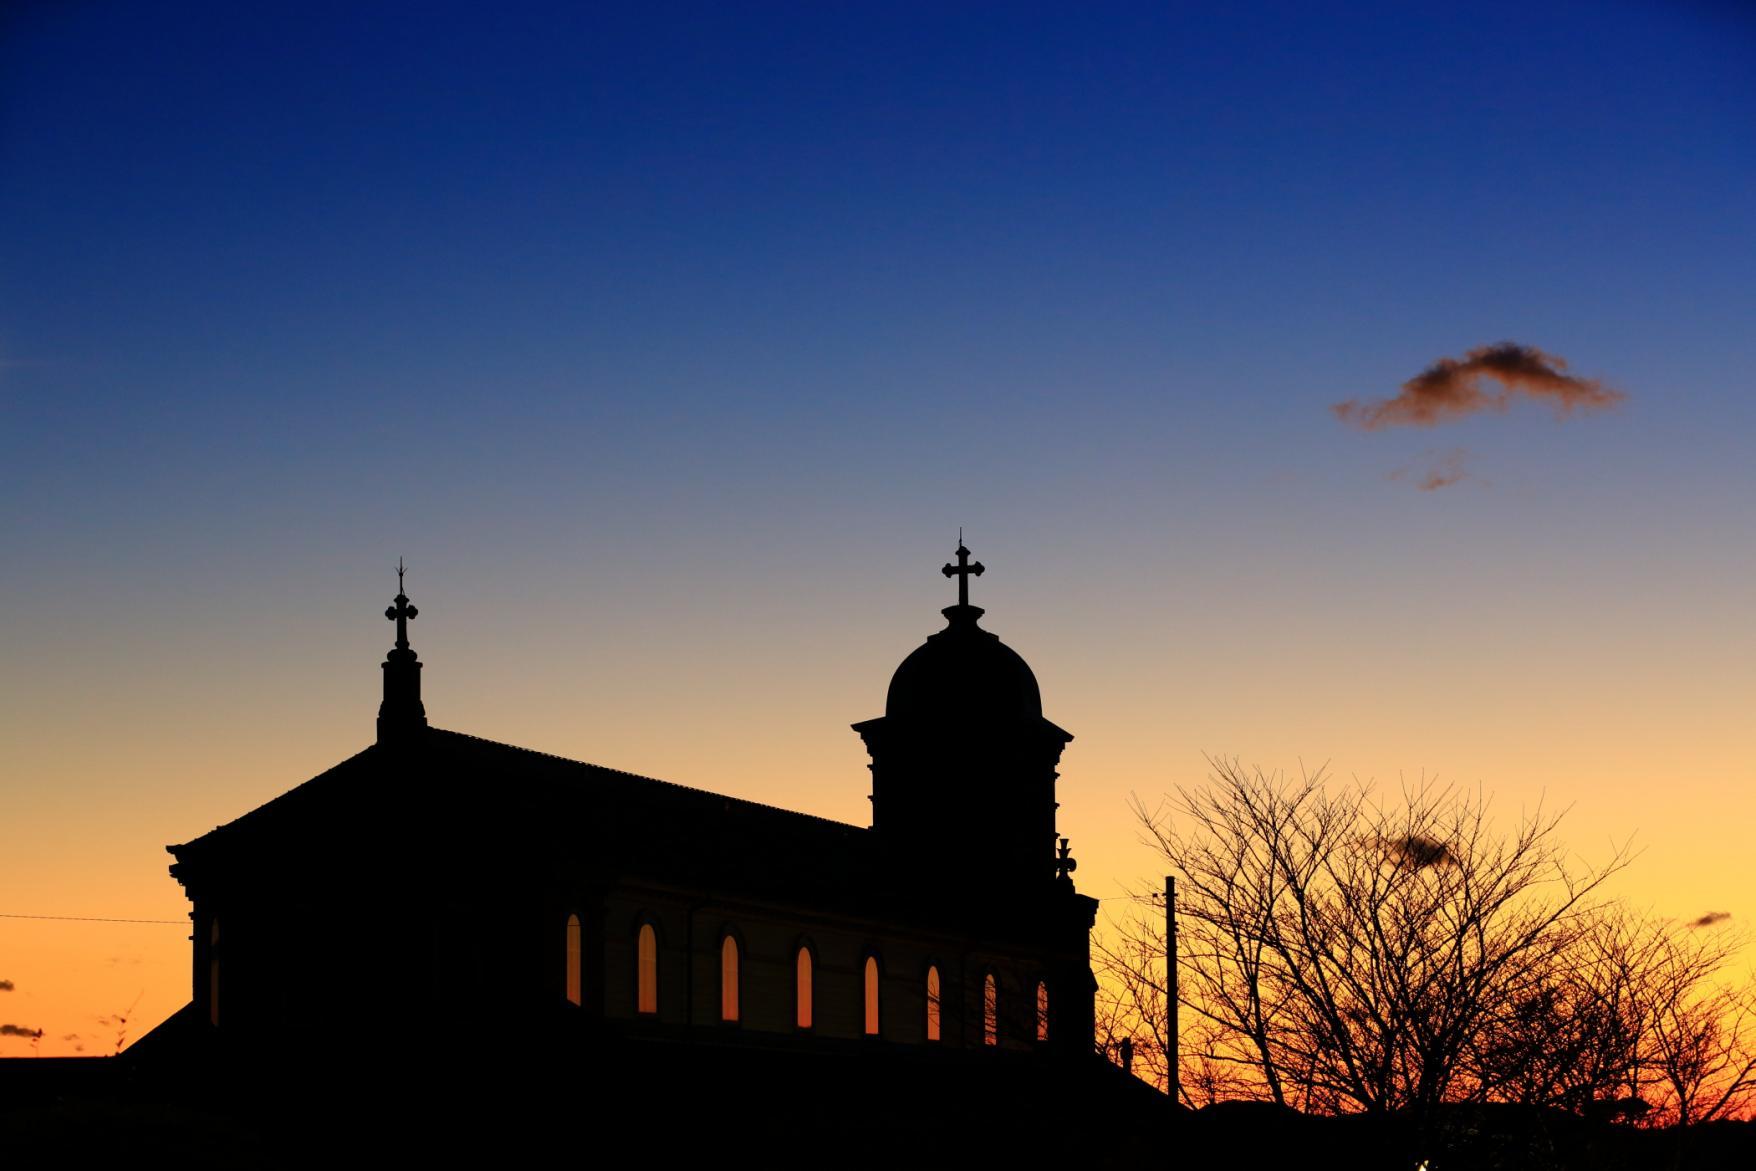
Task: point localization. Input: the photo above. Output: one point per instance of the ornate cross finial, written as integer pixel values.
(962, 570)
(401, 611)
(401, 715)
(1064, 863)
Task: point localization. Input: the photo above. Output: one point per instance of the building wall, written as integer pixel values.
(690, 934)
(298, 962)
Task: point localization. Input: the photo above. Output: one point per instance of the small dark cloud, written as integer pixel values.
(1453, 388)
(7, 986)
(1435, 470)
(1419, 852)
(20, 1031)
(1709, 919)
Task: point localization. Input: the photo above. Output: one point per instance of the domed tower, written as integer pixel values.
(963, 762)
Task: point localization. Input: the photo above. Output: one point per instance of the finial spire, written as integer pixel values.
(402, 710)
(401, 612)
(962, 571)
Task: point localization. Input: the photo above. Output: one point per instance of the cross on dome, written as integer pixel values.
(962, 571)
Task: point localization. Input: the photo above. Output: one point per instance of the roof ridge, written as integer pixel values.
(650, 780)
(278, 798)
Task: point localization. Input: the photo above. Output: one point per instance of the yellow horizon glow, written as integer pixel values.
(1634, 732)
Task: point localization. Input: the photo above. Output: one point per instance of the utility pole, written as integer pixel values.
(1173, 1080)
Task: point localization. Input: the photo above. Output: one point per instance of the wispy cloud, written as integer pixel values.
(1709, 919)
(1452, 389)
(20, 1031)
(1435, 470)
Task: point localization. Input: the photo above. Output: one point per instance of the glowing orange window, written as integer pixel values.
(728, 979)
(871, 996)
(648, 969)
(575, 961)
(804, 988)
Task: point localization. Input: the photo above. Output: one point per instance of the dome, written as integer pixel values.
(964, 673)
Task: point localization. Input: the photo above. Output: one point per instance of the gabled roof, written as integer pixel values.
(462, 798)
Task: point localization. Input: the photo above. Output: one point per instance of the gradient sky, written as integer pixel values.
(671, 344)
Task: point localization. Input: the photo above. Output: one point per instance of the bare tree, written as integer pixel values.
(1341, 953)
(1631, 1019)
(1569, 1033)
(1130, 1004)
(1700, 1037)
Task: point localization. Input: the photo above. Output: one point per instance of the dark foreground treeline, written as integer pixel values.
(1459, 1138)
(651, 1106)
(647, 1103)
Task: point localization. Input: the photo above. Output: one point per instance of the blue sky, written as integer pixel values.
(287, 283)
(682, 289)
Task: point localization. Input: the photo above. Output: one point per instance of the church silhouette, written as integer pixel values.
(672, 948)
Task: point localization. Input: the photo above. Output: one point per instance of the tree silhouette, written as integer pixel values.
(1341, 952)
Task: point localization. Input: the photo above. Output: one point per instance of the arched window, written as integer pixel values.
(575, 961)
(804, 988)
(932, 1004)
(728, 979)
(990, 1010)
(1042, 1011)
(647, 974)
(871, 996)
(213, 973)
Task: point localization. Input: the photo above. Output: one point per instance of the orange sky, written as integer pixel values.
(754, 699)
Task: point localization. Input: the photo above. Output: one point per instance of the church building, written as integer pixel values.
(568, 909)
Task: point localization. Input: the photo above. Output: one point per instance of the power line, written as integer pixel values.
(95, 919)
(185, 922)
